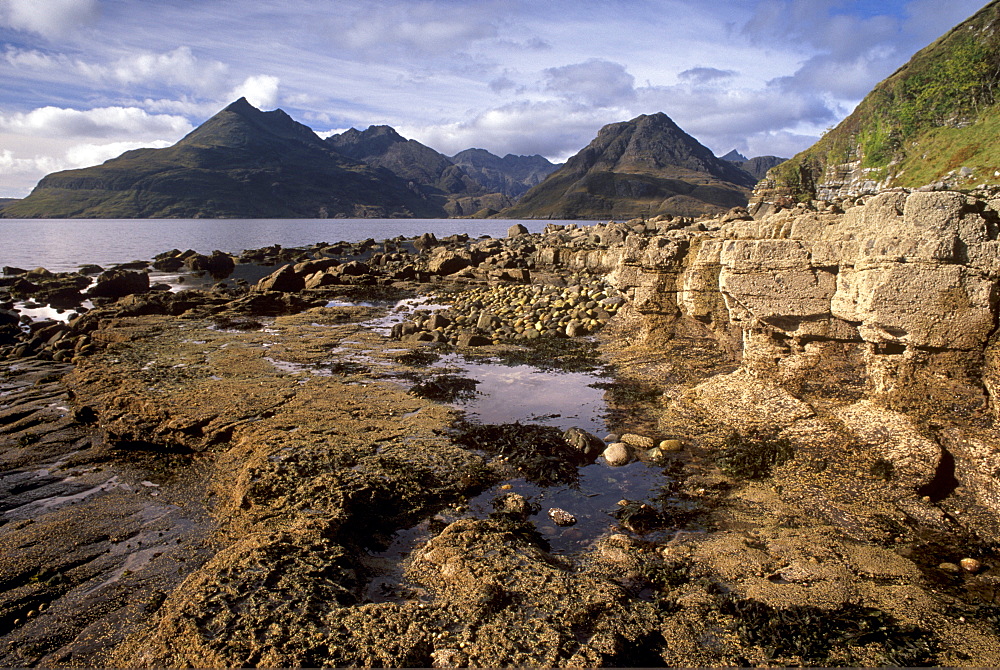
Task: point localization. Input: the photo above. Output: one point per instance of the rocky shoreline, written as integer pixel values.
(207, 476)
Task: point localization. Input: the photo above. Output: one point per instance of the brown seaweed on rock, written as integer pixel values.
(537, 453)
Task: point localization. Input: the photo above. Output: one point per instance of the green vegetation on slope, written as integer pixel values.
(936, 113)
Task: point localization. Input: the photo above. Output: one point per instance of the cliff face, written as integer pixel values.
(880, 321)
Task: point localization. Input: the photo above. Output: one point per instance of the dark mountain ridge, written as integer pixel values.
(241, 163)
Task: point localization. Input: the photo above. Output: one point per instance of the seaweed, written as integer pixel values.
(538, 453)
(639, 517)
(813, 636)
(417, 357)
(753, 457)
(225, 322)
(445, 388)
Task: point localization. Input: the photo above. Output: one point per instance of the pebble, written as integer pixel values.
(617, 454)
(561, 517)
(971, 565)
(949, 568)
(671, 445)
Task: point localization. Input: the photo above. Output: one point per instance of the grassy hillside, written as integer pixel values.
(937, 113)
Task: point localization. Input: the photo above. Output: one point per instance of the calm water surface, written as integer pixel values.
(62, 245)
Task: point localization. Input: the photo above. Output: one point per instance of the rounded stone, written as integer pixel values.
(971, 565)
(617, 454)
(671, 445)
(949, 568)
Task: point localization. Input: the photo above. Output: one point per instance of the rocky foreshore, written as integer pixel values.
(205, 477)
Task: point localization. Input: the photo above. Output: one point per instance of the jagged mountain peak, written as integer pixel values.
(735, 157)
(642, 167)
(240, 124)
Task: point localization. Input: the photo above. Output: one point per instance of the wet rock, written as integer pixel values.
(353, 269)
(218, 265)
(514, 505)
(425, 242)
(473, 340)
(561, 517)
(971, 565)
(587, 445)
(617, 454)
(448, 262)
(437, 321)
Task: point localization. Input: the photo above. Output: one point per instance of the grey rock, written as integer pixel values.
(589, 446)
(617, 454)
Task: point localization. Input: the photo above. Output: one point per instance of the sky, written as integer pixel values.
(82, 81)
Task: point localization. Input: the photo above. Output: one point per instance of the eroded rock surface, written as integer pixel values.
(206, 478)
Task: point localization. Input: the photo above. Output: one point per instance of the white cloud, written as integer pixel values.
(554, 129)
(261, 91)
(177, 67)
(412, 27)
(85, 155)
(36, 165)
(53, 19)
(101, 122)
(596, 82)
(22, 167)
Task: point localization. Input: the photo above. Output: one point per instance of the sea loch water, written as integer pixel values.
(62, 245)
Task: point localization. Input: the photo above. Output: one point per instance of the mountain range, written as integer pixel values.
(246, 163)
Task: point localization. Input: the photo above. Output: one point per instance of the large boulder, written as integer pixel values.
(218, 265)
(119, 283)
(284, 279)
(517, 230)
(448, 262)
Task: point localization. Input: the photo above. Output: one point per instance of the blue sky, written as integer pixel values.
(82, 81)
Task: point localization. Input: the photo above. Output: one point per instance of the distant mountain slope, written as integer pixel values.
(382, 146)
(241, 163)
(511, 175)
(643, 167)
(759, 165)
(936, 114)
